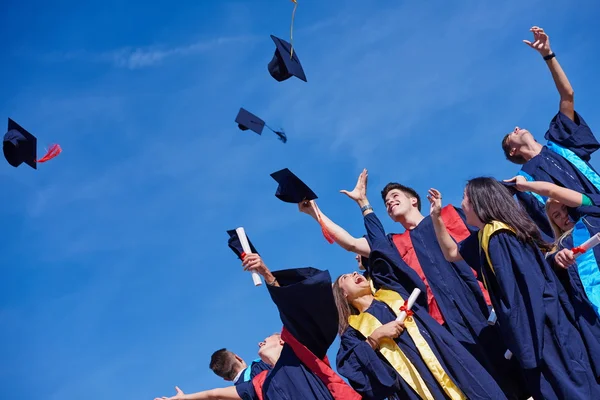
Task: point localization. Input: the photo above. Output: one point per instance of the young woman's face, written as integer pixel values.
(557, 212)
(467, 207)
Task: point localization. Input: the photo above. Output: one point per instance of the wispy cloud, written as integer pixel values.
(143, 57)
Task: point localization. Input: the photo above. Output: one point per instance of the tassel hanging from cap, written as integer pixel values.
(292, 29)
(52, 152)
(328, 236)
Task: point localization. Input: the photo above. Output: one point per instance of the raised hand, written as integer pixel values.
(519, 182)
(179, 396)
(435, 201)
(564, 258)
(360, 190)
(541, 41)
(309, 208)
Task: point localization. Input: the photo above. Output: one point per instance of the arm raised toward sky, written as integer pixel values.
(447, 244)
(568, 197)
(541, 43)
(339, 234)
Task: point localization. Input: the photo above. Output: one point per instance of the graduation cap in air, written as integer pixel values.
(285, 62)
(20, 146)
(246, 120)
(292, 190)
(235, 244)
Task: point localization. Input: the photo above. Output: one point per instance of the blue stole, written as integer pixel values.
(587, 266)
(575, 160)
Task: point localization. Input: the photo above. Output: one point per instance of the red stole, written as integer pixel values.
(339, 389)
(459, 232)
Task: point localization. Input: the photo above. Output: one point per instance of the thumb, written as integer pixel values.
(347, 193)
(528, 43)
(179, 391)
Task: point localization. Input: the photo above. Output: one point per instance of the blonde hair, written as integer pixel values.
(559, 234)
(345, 309)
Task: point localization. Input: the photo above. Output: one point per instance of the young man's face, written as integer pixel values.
(268, 345)
(398, 204)
(517, 138)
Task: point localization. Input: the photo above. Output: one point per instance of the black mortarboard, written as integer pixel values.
(19, 146)
(235, 244)
(291, 189)
(284, 64)
(246, 120)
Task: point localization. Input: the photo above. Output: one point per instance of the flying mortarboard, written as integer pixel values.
(20, 146)
(285, 64)
(246, 120)
(292, 190)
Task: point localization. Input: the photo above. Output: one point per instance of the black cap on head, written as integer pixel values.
(291, 189)
(235, 245)
(284, 64)
(246, 120)
(19, 146)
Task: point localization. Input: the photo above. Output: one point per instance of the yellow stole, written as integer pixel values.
(366, 323)
(484, 236)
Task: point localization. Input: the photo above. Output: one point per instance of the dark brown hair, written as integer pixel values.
(222, 363)
(492, 201)
(410, 192)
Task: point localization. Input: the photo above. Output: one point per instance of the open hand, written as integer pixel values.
(359, 193)
(541, 41)
(435, 200)
(179, 396)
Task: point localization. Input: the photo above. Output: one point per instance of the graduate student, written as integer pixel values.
(564, 159)
(308, 312)
(575, 217)
(384, 358)
(269, 351)
(537, 320)
(452, 294)
(233, 368)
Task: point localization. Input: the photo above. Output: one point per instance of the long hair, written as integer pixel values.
(492, 201)
(345, 309)
(559, 234)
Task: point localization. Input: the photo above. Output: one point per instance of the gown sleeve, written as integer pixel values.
(574, 135)
(386, 267)
(370, 376)
(306, 307)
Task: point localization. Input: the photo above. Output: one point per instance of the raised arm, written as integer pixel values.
(568, 197)
(447, 244)
(541, 43)
(340, 235)
(228, 393)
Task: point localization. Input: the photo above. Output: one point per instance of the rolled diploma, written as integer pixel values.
(411, 301)
(246, 247)
(493, 318)
(590, 243)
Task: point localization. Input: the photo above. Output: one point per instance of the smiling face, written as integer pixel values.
(398, 204)
(557, 212)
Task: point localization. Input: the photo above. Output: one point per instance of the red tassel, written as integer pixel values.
(326, 233)
(52, 152)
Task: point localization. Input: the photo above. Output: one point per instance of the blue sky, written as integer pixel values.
(116, 276)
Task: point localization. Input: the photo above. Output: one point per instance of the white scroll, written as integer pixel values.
(411, 301)
(587, 245)
(246, 247)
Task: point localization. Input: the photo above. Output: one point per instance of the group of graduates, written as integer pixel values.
(509, 303)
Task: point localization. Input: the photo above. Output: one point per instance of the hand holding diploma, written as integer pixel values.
(253, 263)
(587, 245)
(247, 250)
(411, 301)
